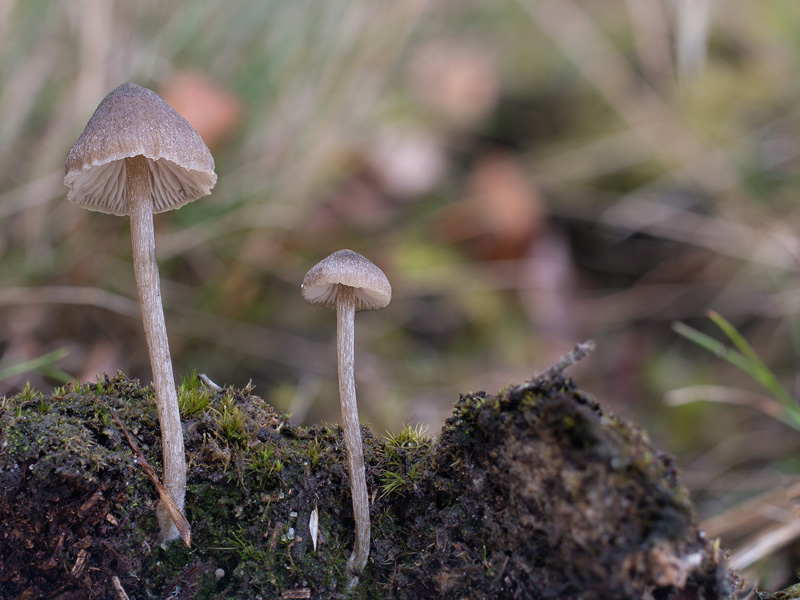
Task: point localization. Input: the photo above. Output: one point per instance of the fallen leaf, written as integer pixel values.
(184, 529)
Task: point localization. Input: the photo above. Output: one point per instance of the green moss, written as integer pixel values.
(514, 494)
(193, 397)
(403, 455)
(230, 423)
(314, 452)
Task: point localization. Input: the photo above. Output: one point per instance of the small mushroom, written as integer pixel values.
(137, 157)
(347, 282)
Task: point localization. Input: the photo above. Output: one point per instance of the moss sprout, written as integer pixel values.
(230, 423)
(193, 397)
(403, 454)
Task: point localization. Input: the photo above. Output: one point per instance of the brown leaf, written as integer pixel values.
(184, 529)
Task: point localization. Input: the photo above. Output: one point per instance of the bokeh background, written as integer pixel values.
(528, 173)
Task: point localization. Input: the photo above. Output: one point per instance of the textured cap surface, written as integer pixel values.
(133, 121)
(345, 267)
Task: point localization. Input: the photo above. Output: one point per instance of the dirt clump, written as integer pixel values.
(534, 493)
(540, 493)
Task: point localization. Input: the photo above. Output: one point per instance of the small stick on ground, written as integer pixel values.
(577, 354)
(119, 589)
(207, 380)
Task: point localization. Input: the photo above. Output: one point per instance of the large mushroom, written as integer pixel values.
(348, 282)
(137, 157)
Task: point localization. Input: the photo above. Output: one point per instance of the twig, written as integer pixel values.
(174, 512)
(206, 380)
(578, 353)
(119, 589)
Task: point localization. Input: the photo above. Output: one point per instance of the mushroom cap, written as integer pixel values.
(133, 121)
(345, 267)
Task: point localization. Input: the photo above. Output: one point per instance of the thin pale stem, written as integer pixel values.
(140, 206)
(345, 322)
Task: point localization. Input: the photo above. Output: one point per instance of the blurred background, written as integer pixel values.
(528, 173)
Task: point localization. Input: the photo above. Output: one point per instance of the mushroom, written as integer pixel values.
(347, 282)
(137, 157)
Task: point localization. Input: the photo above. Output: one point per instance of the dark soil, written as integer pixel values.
(534, 493)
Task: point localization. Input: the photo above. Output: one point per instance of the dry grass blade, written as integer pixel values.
(692, 38)
(757, 528)
(724, 395)
(65, 294)
(650, 29)
(764, 544)
(175, 513)
(644, 212)
(659, 127)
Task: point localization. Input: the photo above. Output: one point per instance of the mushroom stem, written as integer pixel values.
(147, 282)
(345, 322)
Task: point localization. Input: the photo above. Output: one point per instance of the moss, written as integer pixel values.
(790, 593)
(193, 397)
(533, 493)
(545, 488)
(402, 458)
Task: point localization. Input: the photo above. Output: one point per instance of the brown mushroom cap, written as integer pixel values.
(133, 121)
(345, 267)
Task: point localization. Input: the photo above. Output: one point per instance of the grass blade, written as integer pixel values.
(763, 374)
(36, 364)
(744, 358)
(715, 347)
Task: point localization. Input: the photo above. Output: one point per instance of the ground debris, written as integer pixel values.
(540, 493)
(534, 493)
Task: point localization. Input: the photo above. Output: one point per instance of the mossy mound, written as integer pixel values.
(545, 495)
(534, 493)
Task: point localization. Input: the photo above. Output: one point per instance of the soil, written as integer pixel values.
(536, 492)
